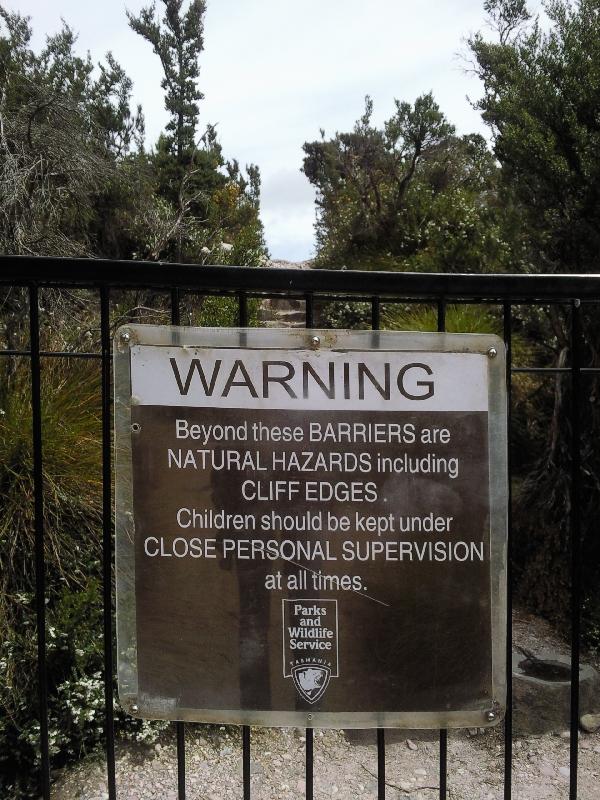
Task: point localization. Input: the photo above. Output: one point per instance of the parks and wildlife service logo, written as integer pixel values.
(310, 645)
(311, 680)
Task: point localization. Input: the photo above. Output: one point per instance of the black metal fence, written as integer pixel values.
(312, 286)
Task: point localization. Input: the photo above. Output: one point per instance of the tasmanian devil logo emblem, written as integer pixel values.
(311, 680)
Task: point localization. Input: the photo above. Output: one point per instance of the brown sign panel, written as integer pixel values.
(311, 532)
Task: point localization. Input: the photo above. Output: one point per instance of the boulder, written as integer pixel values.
(542, 692)
(590, 723)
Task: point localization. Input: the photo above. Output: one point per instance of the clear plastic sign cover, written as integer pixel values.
(311, 526)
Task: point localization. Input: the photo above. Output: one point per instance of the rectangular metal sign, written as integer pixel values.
(311, 526)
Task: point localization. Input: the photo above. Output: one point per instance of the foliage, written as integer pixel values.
(463, 318)
(75, 178)
(72, 553)
(178, 42)
(541, 98)
(61, 131)
(203, 209)
(72, 550)
(411, 195)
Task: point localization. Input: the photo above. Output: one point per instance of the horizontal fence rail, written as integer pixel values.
(311, 286)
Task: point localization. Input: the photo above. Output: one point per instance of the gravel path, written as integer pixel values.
(345, 762)
(345, 767)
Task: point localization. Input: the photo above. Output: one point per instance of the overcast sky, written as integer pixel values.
(275, 71)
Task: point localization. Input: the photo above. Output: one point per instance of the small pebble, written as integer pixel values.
(564, 771)
(411, 745)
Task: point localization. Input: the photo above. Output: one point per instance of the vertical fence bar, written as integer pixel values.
(575, 540)
(443, 771)
(180, 731)
(246, 760)
(175, 312)
(380, 763)
(243, 323)
(309, 771)
(107, 547)
(243, 309)
(375, 314)
(310, 314)
(508, 720)
(309, 764)
(179, 726)
(375, 325)
(40, 565)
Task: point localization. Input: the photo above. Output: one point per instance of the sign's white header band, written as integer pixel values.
(375, 380)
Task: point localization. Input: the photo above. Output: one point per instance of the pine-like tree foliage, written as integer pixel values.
(178, 41)
(410, 194)
(541, 95)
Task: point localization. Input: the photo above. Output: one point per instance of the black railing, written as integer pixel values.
(314, 287)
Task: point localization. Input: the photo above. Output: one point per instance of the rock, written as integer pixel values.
(590, 723)
(547, 769)
(564, 771)
(472, 731)
(405, 786)
(421, 773)
(565, 734)
(411, 745)
(542, 692)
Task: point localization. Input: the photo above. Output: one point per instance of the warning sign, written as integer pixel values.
(311, 527)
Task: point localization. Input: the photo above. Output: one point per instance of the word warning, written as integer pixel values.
(310, 529)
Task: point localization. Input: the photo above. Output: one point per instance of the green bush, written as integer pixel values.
(72, 548)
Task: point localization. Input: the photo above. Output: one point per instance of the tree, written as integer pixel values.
(506, 17)
(541, 94)
(178, 42)
(62, 134)
(202, 208)
(409, 195)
